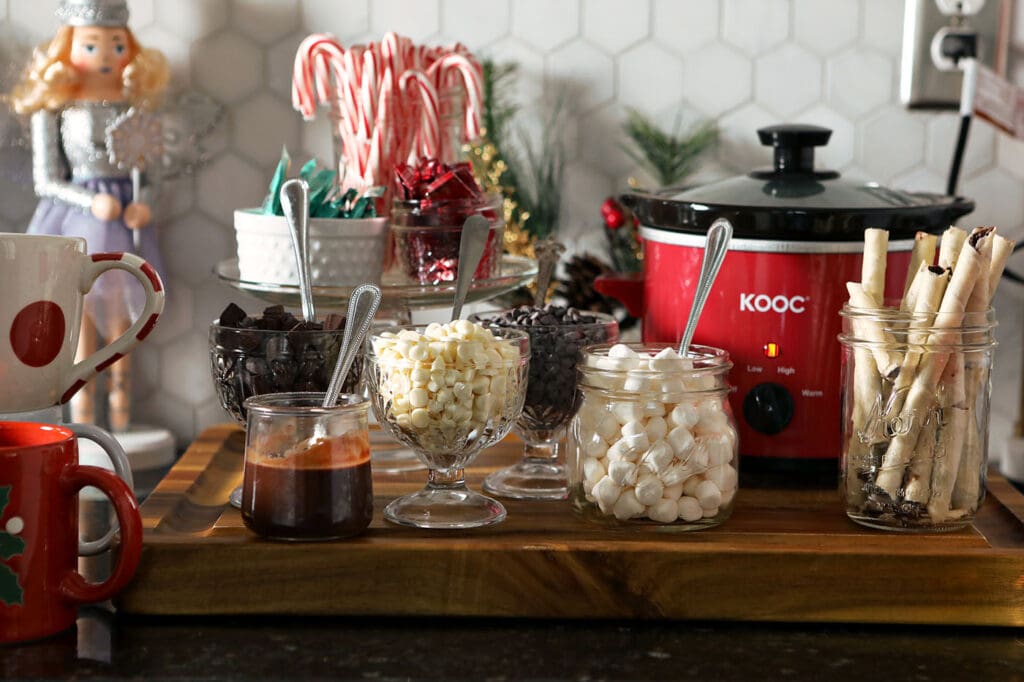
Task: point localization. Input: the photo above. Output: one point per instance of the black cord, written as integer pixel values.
(958, 156)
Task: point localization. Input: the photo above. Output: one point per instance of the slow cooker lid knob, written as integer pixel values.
(794, 147)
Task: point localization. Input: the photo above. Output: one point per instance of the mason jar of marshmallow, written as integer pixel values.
(654, 440)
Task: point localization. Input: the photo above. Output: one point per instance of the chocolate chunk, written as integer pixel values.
(334, 321)
(232, 316)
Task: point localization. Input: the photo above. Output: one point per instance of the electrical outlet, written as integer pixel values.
(922, 84)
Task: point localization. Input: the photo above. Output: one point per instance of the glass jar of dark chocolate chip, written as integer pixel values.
(557, 335)
(274, 353)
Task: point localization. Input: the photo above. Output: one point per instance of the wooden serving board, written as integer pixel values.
(785, 555)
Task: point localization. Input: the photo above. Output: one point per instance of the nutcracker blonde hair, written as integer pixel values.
(50, 81)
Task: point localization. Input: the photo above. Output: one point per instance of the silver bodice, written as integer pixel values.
(69, 146)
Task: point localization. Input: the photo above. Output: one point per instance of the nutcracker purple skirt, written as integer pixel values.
(116, 296)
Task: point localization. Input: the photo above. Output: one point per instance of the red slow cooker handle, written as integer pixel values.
(625, 287)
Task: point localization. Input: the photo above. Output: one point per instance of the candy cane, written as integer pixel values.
(429, 134)
(472, 82)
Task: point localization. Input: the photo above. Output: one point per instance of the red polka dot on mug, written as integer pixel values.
(37, 333)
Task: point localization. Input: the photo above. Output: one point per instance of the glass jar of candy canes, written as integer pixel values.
(915, 415)
(654, 440)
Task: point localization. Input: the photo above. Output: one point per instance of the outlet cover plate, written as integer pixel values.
(922, 85)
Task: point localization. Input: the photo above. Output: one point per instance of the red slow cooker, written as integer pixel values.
(798, 238)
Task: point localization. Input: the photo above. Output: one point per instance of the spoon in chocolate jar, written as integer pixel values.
(548, 252)
(295, 203)
(715, 247)
(471, 250)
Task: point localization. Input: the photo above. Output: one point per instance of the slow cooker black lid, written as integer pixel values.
(793, 201)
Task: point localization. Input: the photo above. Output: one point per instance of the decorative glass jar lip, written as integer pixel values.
(709, 362)
(492, 201)
(311, 403)
(217, 325)
(603, 320)
(521, 338)
(972, 331)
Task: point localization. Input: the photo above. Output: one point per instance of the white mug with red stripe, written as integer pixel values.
(43, 280)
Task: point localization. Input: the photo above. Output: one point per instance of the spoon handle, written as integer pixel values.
(362, 306)
(295, 203)
(548, 252)
(715, 248)
(471, 249)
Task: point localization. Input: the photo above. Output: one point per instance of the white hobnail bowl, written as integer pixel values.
(343, 252)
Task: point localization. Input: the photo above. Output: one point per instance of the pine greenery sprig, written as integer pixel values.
(543, 168)
(668, 156)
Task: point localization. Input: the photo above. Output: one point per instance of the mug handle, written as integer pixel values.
(81, 372)
(121, 467)
(73, 586)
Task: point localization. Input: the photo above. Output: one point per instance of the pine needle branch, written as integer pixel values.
(668, 156)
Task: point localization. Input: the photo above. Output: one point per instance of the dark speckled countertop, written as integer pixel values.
(104, 646)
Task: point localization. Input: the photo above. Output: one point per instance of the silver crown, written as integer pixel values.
(93, 12)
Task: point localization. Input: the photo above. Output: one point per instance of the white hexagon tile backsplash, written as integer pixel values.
(746, 62)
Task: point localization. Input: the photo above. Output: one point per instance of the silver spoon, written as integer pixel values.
(295, 203)
(548, 252)
(715, 247)
(362, 306)
(471, 249)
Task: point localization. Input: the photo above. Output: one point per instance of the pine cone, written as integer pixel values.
(579, 290)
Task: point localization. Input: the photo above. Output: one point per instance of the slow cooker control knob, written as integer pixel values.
(768, 408)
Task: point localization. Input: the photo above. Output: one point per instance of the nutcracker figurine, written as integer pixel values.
(88, 91)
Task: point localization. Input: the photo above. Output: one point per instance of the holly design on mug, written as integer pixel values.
(10, 546)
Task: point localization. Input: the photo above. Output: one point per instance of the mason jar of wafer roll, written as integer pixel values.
(915, 414)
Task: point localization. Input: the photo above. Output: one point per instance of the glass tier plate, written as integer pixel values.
(516, 271)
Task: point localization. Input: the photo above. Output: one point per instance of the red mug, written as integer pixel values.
(40, 588)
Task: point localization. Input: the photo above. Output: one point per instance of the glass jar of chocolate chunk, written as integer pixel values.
(274, 353)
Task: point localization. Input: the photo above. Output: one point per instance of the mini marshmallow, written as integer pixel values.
(723, 476)
(621, 350)
(684, 415)
(656, 429)
(622, 472)
(667, 360)
(676, 473)
(594, 468)
(727, 496)
(658, 456)
(627, 411)
(608, 428)
(718, 447)
(621, 450)
(654, 408)
(649, 490)
(607, 491)
(690, 485)
(681, 441)
(708, 494)
(689, 509)
(596, 447)
(672, 492)
(663, 511)
(627, 506)
(636, 382)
